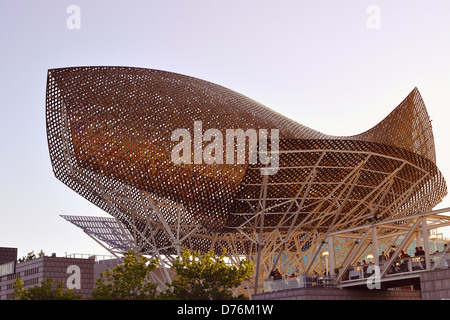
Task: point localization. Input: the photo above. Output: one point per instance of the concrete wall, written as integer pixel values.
(338, 294)
(435, 285)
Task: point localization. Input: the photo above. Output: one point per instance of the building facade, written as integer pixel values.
(78, 274)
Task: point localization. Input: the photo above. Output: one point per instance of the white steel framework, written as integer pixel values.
(109, 134)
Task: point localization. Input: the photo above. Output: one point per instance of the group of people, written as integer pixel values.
(403, 266)
(384, 257)
(419, 252)
(276, 274)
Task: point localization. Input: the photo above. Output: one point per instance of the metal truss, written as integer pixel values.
(109, 136)
(159, 229)
(355, 244)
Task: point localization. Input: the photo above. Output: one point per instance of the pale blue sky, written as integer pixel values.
(316, 62)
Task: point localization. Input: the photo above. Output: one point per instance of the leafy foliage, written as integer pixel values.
(31, 255)
(206, 277)
(46, 291)
(128, 281)
(199, 277)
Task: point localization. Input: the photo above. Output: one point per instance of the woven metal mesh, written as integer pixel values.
(109, 135)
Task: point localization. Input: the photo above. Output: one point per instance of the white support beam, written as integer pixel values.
(402, 244)
(332, 258)
(426, 246)
(375, 253)
(352, 256)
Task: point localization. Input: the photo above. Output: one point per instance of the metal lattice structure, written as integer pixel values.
(109, 135)
(105, 231)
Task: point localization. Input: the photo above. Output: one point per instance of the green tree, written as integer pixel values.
(31, 255)
(206, 277)
(129, 281)
(19, 291)
(46, 291)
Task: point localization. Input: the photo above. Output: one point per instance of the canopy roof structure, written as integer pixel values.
(110, 140)
(106, 231)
